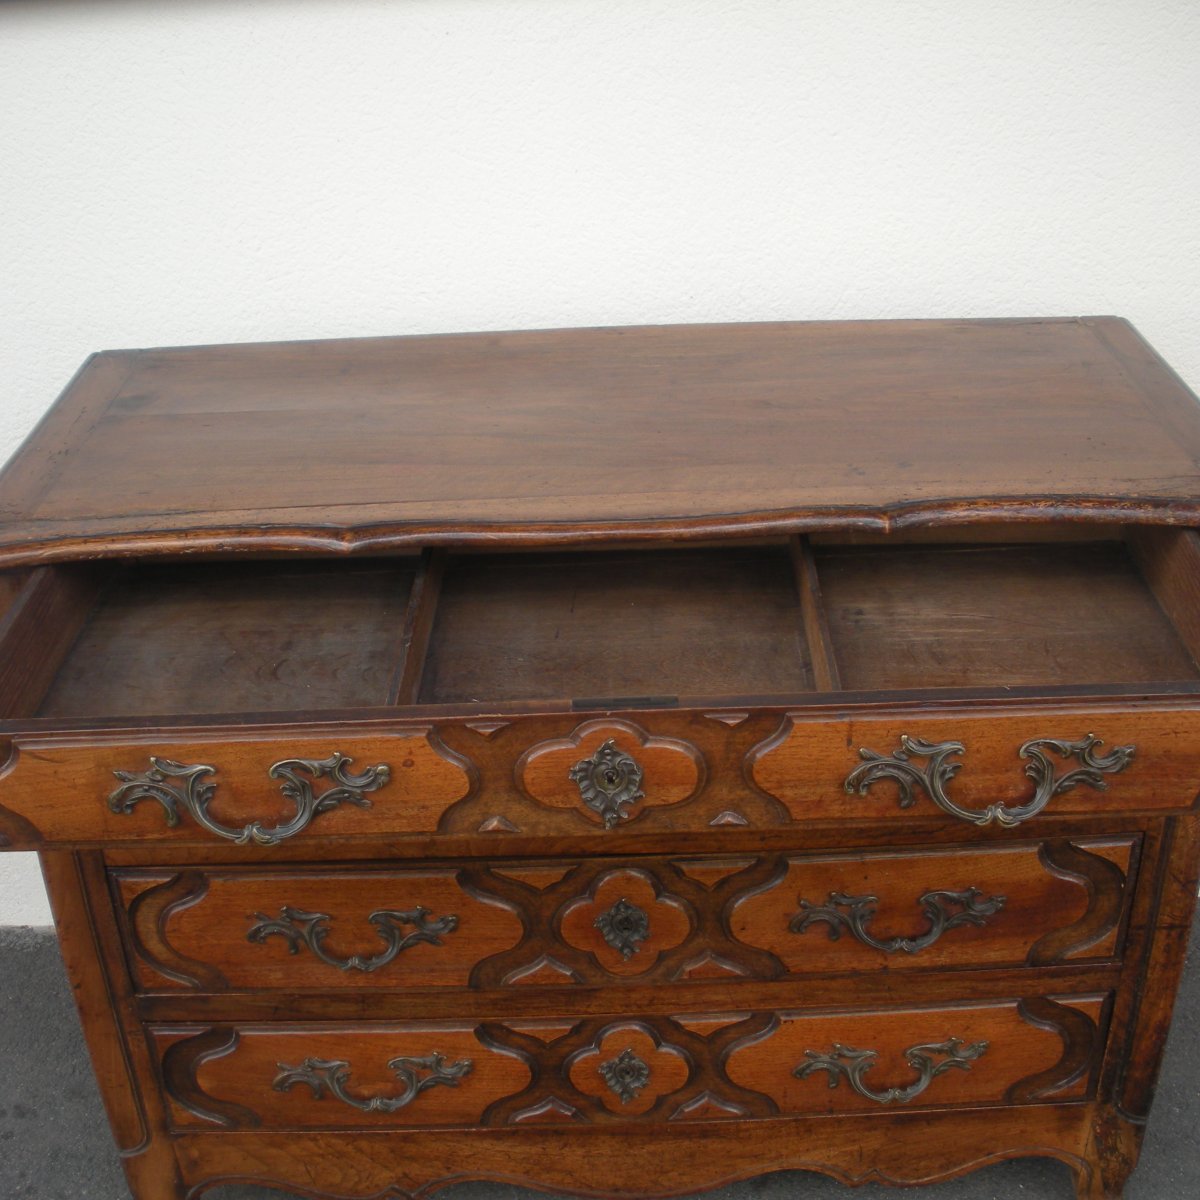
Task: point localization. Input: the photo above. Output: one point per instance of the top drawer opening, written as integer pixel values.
(611, 629)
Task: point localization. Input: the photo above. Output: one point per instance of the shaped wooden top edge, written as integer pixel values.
(26, 549)
(66, 495)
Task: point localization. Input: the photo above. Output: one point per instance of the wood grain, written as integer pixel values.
(424, 779)
(548, 436)
(619, 625)
(258, 637)
(732, 602)
(808, 761)
(625, 1161)
(904, 617)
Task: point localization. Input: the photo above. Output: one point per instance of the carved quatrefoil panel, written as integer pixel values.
(610, 772)
(625, 922)
(628, 1071)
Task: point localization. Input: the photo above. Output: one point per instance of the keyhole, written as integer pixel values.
(611, 777)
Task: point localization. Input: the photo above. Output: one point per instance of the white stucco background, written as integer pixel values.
(203, 171)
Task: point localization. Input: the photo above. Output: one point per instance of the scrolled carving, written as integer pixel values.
(847, 1063)
(333, 1075)
(853, 913)
(194, 794)
(624, 927)
(609, 782)
(939, 770)
(300, 928)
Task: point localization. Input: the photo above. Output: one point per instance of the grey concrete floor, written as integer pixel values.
(55, 1145)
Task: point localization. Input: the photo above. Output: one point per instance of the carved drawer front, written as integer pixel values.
(322, 928)
(997, 770)
(621, 1069)
(969, 1054)
(273, 791)
(1031, 903)
(265, 790)
(611, 921)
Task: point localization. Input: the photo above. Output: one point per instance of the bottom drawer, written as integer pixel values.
(611, 1069)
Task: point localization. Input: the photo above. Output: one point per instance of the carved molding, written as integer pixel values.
(1107, 897)
(1081, 1045)
(149, 913)
(180, 1062)
(704, 760)
(609, 780)
(551, 1062)
(541, 911)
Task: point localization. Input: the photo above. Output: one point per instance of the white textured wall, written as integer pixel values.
(199, 171)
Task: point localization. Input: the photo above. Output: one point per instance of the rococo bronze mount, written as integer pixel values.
(618, 747)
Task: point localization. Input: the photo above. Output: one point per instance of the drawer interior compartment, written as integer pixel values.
(958, 616)
(601, 1070)
(716, 622)
(237, 637)
(284, 637)
(614, 628)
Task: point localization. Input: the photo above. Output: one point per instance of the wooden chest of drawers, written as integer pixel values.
(619, 761)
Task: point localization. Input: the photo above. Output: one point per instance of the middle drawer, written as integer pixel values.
(606, 921)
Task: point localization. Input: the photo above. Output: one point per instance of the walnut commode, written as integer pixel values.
(619, 761)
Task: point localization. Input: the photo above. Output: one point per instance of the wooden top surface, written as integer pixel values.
(569, 436)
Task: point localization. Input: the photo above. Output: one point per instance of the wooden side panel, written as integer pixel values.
(37, 629)
(120, 1059)
(1169, 560)
(1154, 1002)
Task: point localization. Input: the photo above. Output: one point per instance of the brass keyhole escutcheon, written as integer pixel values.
(609, 782)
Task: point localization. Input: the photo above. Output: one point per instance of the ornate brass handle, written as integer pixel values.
(193, 794)
(333, 1075)
(311, 929)
(851, 1065)
(609, 782)
(973, 909)
(939, 770)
